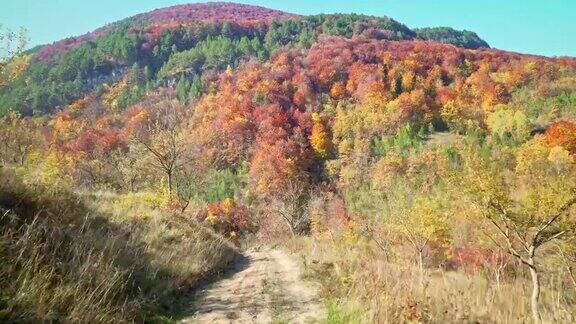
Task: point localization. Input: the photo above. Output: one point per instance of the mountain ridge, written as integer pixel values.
(183, 13)
(196, 12)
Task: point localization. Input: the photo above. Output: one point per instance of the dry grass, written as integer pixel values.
(360, 287)
(62, 259)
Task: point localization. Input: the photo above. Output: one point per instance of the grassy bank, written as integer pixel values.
(105, 258)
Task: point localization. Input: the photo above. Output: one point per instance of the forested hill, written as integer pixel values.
(132, 158)
(172, 17)
(184, 39)
(460, 38)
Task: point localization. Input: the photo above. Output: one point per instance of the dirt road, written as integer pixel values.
(263, 286)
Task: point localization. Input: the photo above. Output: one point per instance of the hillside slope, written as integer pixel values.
(441, 175)
(95, 259)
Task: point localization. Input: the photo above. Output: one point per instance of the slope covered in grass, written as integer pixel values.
(62, 259)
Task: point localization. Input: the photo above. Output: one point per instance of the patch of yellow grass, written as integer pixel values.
(360, 286)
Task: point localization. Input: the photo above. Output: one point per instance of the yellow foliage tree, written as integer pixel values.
(112, 95)
(421, 219)
(320, 139)
(525, 208)
(507, 122)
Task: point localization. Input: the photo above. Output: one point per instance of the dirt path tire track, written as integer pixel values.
(263, 286)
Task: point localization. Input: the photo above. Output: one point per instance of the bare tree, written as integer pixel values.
(495, 263)
(290, 205)
(11, 45)
(523, 240)
(523, 210)
(378, 234)
(128, 167)
(164, 140)
(18, 137)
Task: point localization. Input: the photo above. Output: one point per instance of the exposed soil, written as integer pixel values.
(262, 286)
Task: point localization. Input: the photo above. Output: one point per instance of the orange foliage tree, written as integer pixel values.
(562, 133)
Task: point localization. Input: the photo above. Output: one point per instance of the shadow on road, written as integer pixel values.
(185, 305)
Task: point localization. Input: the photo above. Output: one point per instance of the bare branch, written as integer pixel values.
(549, 223)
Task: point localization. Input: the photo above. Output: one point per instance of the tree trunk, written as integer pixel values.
(421, 266)
(498, 279)
(291, 227)
(499, 271)
(534, 301)
(169, 174)
(22, 158)
(185, 206)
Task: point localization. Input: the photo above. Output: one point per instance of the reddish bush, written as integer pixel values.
(228, 218)
(474, 260)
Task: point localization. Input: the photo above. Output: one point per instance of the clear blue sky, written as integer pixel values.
(546, 27)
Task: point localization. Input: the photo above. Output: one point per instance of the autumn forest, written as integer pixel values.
(140, 160)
